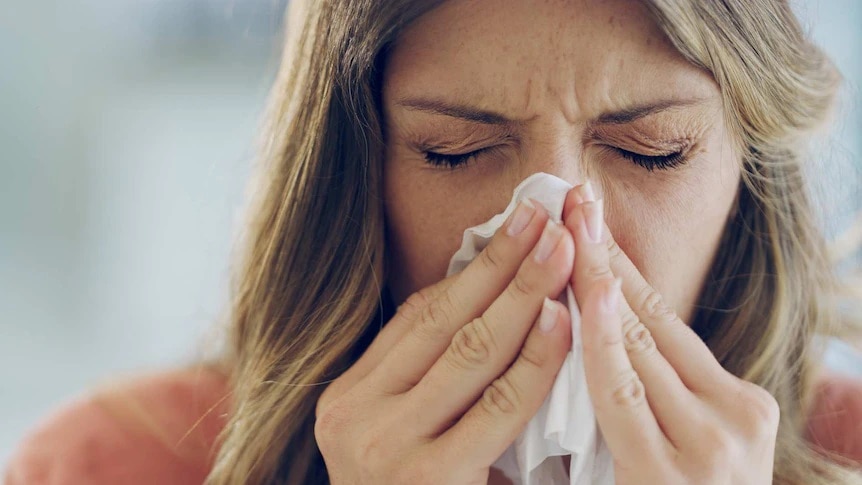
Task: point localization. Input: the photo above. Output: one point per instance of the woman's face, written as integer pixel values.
(578, 89)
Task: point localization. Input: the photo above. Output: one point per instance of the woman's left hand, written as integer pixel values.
(668, 411)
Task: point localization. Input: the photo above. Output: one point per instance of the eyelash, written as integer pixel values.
(653, 162)
(452, 161)
(649, 162)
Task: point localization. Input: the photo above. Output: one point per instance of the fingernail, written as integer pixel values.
(594, 220)
(584, 193)
(611, 299)
(548, 317)
(588, 192)
(521, 217)
(550, 237)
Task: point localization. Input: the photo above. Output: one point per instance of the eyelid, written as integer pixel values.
(650, 153)
(454, 161)
(459, 140)
(647, 146)
(653, 162)
(654, 137)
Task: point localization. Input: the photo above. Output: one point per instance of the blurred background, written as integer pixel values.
(126, 135)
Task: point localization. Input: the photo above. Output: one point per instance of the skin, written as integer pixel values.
(467, 360)
(571, 63)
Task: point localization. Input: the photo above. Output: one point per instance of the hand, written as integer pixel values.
(668, 411)
(434, 398)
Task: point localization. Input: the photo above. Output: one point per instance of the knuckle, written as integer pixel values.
(614, 249)
(761, 412)
(608, 340)
(491, 258)
(533, 355)
(447, 303)
(501, 397)
(639, 340)
(652, 305)
(628, 320)
(472, 345)
(627, 390)
(434, 317)
(329, 425)
(604, 343)
(415, 302)
(521, 286)
(598, 271)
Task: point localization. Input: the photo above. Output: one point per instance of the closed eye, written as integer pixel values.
(649, 162)
(452, 161)
(653, 162)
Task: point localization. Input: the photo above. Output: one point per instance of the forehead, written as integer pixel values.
(578, 56)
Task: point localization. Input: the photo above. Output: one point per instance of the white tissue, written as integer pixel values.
(566, 423)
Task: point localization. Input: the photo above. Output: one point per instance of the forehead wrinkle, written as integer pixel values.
(544, 93)
(528, 95)
(544, 80)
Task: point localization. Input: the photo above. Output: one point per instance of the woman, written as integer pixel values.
(693, 252)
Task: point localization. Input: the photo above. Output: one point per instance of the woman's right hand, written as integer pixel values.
(453, 378)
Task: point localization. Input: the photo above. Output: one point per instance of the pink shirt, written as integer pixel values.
(163, 429)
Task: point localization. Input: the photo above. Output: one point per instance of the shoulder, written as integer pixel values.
(158, 428)
(835, 419)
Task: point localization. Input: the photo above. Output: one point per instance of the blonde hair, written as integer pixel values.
(309, 291)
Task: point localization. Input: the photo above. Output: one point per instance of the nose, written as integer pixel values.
(561, 156)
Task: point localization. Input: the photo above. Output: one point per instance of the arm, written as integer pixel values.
(835, 421)
(153, 429)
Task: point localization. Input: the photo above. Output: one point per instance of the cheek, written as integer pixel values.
(671, 233)
(418, 241)
(426, 214)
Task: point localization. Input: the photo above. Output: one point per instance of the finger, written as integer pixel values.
(493, 422)
(405, 315)
(470, 294)
(682, 347)
(673, 405)
(627, 423)
(481, 350)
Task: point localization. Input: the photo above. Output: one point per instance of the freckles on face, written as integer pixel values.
(477, 95)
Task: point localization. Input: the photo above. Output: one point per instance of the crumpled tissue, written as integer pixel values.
(566, 423)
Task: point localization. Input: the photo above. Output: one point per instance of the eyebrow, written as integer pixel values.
(461, 111)
(628, 115)
(470, 113)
